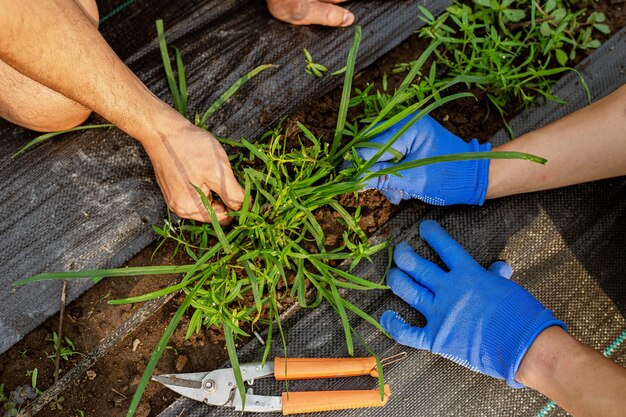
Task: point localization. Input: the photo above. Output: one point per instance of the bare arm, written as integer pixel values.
(54, 43)
(587, 145)
(576, 377)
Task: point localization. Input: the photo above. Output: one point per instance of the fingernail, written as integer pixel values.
(348, 19)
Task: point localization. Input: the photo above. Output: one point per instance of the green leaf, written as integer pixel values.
(602, 27)
(107, 273)
(169, 73)
(42, 138)
(307, 55)
(160, 348)
(561, 56)
(182, 82)
(347, 89)
(545, 29)
(593, 44)
(231, 90)
(426, 13)
(234, 361)
(558, 14)
(514, 15)
(339, 306)
(467, 156)
(483, 3)
(214, 222)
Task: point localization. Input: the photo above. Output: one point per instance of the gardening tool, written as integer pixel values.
(220, 388)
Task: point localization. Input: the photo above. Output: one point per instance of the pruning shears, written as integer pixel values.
(219, 387)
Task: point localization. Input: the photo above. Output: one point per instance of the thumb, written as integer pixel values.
(310, 12)
(327, 14)
(501, 268)
(402, 332)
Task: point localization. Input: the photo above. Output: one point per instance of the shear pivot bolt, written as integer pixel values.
(209, 385)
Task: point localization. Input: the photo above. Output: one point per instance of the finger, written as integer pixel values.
(221, 213)
(501, 268)
(202, 214)
(327, 14)
(402, 332)
(375, 181)
(415, 295)
(230, 191)
(334, 1)
(394, 195)
(448, 249)
(422, 271)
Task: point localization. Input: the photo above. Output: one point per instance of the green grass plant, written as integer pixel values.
(313, 68)
(510, 49)
(275, 250)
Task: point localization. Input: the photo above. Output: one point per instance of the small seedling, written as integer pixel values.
(312, 68)
(67, 348)
(34, 375)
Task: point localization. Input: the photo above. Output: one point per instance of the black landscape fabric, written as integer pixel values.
(566, 246)
(87, 200)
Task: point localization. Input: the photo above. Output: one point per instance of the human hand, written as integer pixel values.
(189, 155)
(444, 183)
(311, 12)
(477, 318)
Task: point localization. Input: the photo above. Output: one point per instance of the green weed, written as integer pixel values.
(275, 250)
(312, 68)
(510, 49)
(67, 348)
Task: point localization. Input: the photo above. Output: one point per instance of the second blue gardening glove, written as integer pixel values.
(445, 183)
(477, 318)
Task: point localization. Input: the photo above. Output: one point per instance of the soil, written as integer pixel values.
(107, 388)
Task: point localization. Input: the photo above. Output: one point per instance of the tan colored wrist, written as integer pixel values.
(542, 359)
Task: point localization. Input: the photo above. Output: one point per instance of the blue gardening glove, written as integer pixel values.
(477, 318)
(445, 183)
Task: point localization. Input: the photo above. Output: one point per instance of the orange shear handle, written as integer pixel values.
(314, 401)
(313, 368)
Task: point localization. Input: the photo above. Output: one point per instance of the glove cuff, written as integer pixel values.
(514, 326)
(466, 182)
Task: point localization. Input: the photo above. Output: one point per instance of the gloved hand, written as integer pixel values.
(445, 183)
(477, 318)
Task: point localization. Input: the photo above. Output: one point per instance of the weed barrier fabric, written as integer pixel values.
(566, 246)
(87, 201)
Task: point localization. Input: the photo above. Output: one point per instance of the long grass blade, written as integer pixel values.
(234, 361)
(182, 82)
(42, 138)
(339, 303)
(347, 90)
(214, 222)
(108, 273)
(232, 90)
(160, 348)
(368, 164)
(167, 65)
(466, 156)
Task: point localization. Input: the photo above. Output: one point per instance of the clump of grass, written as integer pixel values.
(275, 250)
(511, 49)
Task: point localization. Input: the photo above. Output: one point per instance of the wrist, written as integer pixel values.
(541, 361)
(164, 122)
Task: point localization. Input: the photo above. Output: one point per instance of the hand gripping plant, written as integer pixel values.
(275, 248)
